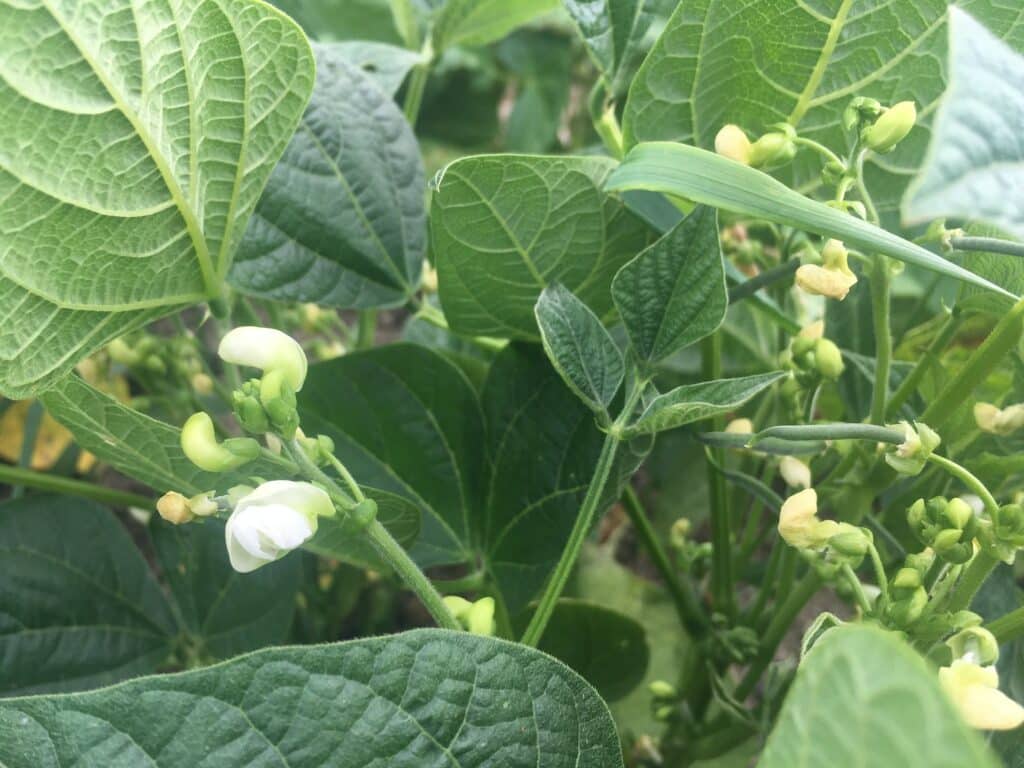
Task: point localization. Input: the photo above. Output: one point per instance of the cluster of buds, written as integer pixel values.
(833, 278)
(999, 421)
(880, 128)
(947, 526)
(266, 404)
(772, 150)
(477, 618)
(919, 442)
(148, 355)
(972, 682)
(813, 357)
(800, 527)
(907, 593)
(1003, 535)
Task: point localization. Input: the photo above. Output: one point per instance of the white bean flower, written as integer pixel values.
(272, 520)
(267, 349)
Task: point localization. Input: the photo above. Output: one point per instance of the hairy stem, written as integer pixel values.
(979, 569)
(1008, 627)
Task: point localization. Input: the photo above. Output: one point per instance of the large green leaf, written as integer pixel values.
(787, 60)
(693, 402)
(359, 20)
(504, 227)
(711, 179)
(78, 604)
(422, 699)
(405, 419)
(135, 143)
(388, 65)
(863, 697)
(225, 612)
(975, 165)
(342, 221)
(608, 27)
(579, 347)
(479, 22)
(674, 293)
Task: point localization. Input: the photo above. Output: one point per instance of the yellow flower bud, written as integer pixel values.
(828, 359)
(733, 143)
(202, 384)
(795, 472)
(998, 421)
(975, 691)
(480, 618)
(740, 427)
(812, 332)
(799, 525)
(174, 508)
(199, 442)
(819, 281)
(429, 280)
(891, 128)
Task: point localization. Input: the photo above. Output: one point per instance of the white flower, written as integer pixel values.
(733, 143)
(998, 421)
(975, 691)
(267, 349)
(272, 520)
(795, 472)
(798, 522)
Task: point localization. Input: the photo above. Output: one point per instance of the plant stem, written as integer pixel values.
(383, 542)
(350, 481)
(584, 520)
(880, 301)
(1008, 627)
(880, 577)
(770, 276)
(42, 481)
(987, 245)
(979, 365)
(367, 329)
(767, 582)
(29, 435)
(979, 569)
(414, 93)
(777, 629)
(722, 592)
(857, 587)
(968, 479)
(690, 613)
(862, 189)
(910, 384)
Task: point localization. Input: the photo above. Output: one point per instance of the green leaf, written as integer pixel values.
(541, 63)
(674, 293)
(693, 402)
(891, 704)
(607, 648)
(608, 27)
(582, 351)
(225, 612)
(342, 222)
(504, 227)
(138, 142)
(78, 605)
(975, 164)
(711, 179)
(387, 65)
(406, 420)
(359, 20)
(479, 22)
(424, 698)
(770, 61)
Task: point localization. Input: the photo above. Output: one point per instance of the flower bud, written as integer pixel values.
(910, 456)
(203, 505)
(976, 645)
(272, 520)
(907, 578)
(249, 410)
(740, 427)
(828, 359)
(480, 618)
(199, 442)
(267, 349)
(660, 689)
(733, 143)
(891, 128)
(850, 541)
(948, 527)
(278, 400)
(997, 421)
(860, 109)
(799, 525)
(174, 508)
(812, 332)
(906, 605)
(679, 532)
(795, 472)
(772, 150)
(975, 691)
(202, 384)
(364, 513)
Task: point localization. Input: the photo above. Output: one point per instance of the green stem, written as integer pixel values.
(769, 277)
(931, 355)
(414, 93)
(857, 587)
(722, 591)
(690, 613)
(392, 552)
(584, 520)
(979, 365)
(987, 245)
(367, 329)
(767, 582)
(16, 476)
(821, 149)
(471, 582)
(862, 189)
(777, 629)
(968, 479)
(29, 436)
(350, 481)
(880, 577)
(1008, 627)
(880, 301)
(979, 569)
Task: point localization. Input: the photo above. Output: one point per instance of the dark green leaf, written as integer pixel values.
(708, 178)
(406, 420)
(342, 221)
(425, 698)
(885, 693)
(582, 351)
(503, 228)
(610, 28)
(975, 164)
(387, 65)
(343, 19)
(225, 612)
(78, 605)
(674, 294)
(694, 402)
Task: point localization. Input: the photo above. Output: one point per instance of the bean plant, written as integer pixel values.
(508, 383)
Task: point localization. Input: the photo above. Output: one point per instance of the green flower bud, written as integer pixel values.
(891, 128)
(663, 690)
(199, 442)
(248, 409)
(828, 359)
(850, 541)
(906, 605)
(772, 150)
(907, 578)
(975, 644)
(278, 399)
(859, 110)
(364, 513)
(480, 618)
(947, 527)
(120, 352)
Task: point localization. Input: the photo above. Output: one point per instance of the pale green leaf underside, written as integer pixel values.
(504, 227)
(78, 605)
(342, 222)
(863, 697)
(479, 22)
(711, 179)
(579, 347)
(135, 139)
(424, 699)
(975, 166)
(693, 402)
(766, 61)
